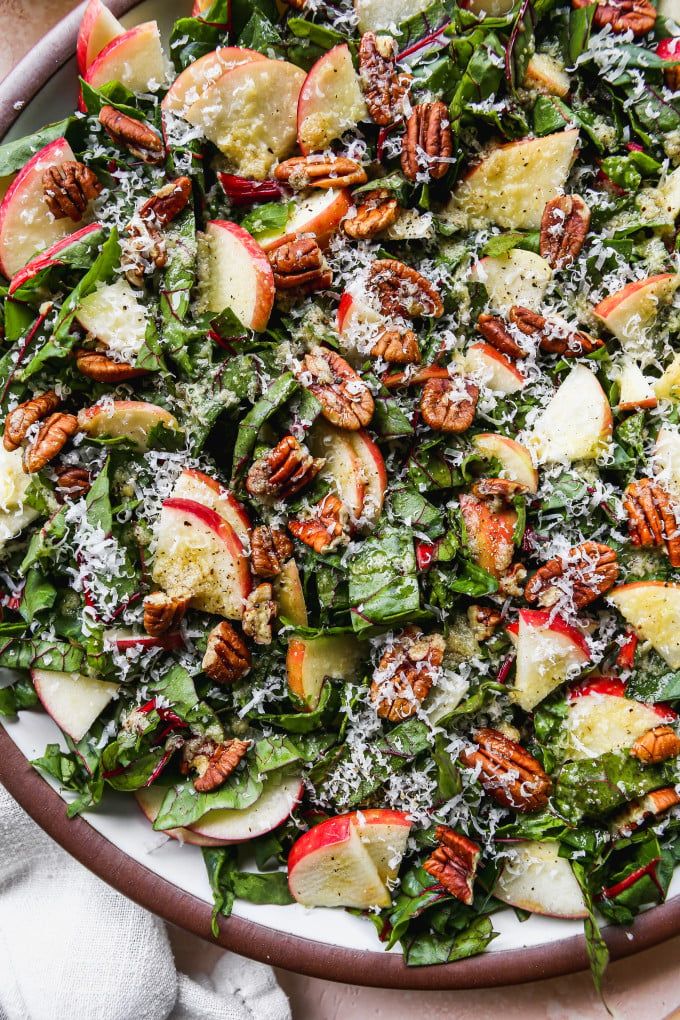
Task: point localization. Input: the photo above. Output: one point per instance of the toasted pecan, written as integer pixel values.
(283, 471)
(227, 657)
(374, 212)
(135, 135)
(320, 172)
(384, 87)
(397, 346)
(100, 368)
(345, 399)
(507, 772)
(637, 16)
(269, 548)
(653, 518)
(564, 226)
(404, 291)
(53, 436)
(449, 405)
(405, 674)
(427, 146)
(586, 572)
(554, 335)
(222, 762)
(656, 745)
(163, 612)
(21, 418)
(325, 527)
(68, 188)
(454, 863)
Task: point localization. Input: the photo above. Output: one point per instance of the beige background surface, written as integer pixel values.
(646, 987)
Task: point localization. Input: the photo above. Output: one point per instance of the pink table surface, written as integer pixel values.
(644, 987)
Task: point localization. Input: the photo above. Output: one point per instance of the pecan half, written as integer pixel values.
(405, 674)
(449, 405)
(73, 482)
(68, 189)
(325, 528)
(508, 773)
(299, 263)
(554, 335)
(143, 250)
(499, 489)
(134, 135)
(671, 77)
(320, 172)
(643, 810)
(384, 87)
(586, 572)
(421, 375)
(376, 211)
(259, 610)
(637, 15)
(656, 745)
(221, 764)
(53, 436)
(652, 519)
(399, 347)
(284, 471)
(427, 146)
(345, 399)
(166, 203)
(269, 548)
(227, 657)
(454, 863)
(403, 291)
(564, 226)
(163, 612)
(100, 368)
(495, 331)
(21, 418)
(484, 621)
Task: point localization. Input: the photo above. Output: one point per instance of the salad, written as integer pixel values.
(340, 476)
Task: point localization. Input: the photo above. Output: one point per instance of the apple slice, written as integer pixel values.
(549, 651)
(493, 370)
(600, 718)
(195, 79)
(199, 555)
(357, 322)
(331, 101)
(279, 798)
(235, 273)
(636, 391)
(666, 459)
(630, 311)
(348, 861)
(26, 224)
(546, 74)
(290, 596)
(489, 533)
(526, 174)
(250, 114)
(515, 459)
(74, 701)
(131, 419)
(377, 15)
(373, 473)
(668, 386)
(317, 212)
(124, 639)
(203, 489)
(150, 799)
(96, 31)
(342, 468)
(112, 315)
(14, 483)
(652, 608)
(135, 59)
(536, 878)
(310, 660)
(517, 278)
(51, 256)
(577, 422)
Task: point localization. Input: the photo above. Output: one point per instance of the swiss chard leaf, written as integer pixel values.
(383, 583)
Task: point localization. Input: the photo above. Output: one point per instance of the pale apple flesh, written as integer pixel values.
(577, 422)
(493, 371)
(15, 514)
(112, 315)
(515, 459)
(74, 701)
(317, 212)
(549, 651)
(234, 273)
(636, 391)
(652, 608)
(373, 473)
(598, 723)
(290, 595)
(537, 879)
(135, 59)
(195, 79)
(666, 459)
(129, 419)
(201, 488)
(310, 660)
(342, 467)
(379, 15)
(279, 798)
(50, 256)
(96, 31)
(331, 101)
(629, 312)
(150, 799)
(517, 278)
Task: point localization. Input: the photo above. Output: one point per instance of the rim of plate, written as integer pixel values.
(268, 945)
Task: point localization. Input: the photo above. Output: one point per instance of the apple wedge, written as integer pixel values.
(279, 798)
(577, 422)
(150, 799)
(54, 255)
(131, 419)
(652, 608)
(489, 533)
(290, 596)
(26, 224)
(512, 183)
(600, 718)
(342, 469)
(112, 315)
(74, 701)
(357, 322)
(379, 15)
(124, 639)
(250, 114)
(668, 386)
(666, 459)
(235, 273)
(199, 555)
(515, 459)
(373, 473)
(310, 660)
(96, 31)
(330, 102)
(200, 487)
(492, 370)
(546, 74)
(135, 59)
(629, 312)
(317, 212)
(195, 79)
(349, 860)
(636, 391)
(517, 278)
(14, 483)
(549, 651)
(537, 879)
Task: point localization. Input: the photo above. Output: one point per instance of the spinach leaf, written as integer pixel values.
(15, 154)
(279, 392)
(383, 583)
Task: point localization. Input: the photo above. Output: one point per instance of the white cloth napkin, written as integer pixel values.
(71, 948)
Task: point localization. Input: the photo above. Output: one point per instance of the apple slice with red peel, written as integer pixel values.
(15, 514)
(26, 224)
(668, 386)
(235, 273)
(135, 59)
(493, 371)
(536, 878)
(342, 468)
(636, 391)
(290, 595)
(549, 651)
(150, 799)
(195, 79)
(348, 860)
(123, 639)
(250, 114)
(96, 31)
(546, 74)
(310, 660)
(489, 533)
(378, 15)
(517, 278)
(331, 101)
(514, 458)
(200, 487)
(112, 315)
(318, 212)
(629, 312)
(652, 608)
(74, 701)
(131, 419)
(279, 798)
(200, 556)
(576, 424)
(666, 459)
(374, 474)
(51, 256)
(601, 719)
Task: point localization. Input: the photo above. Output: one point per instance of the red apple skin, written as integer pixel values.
(92, 14)
(180, 834)
(337, 829)
(322, 226)
(211, 519)
(266, 290)
(49, 256)
(295, 658)
(488, 352)
(616, 688)
(170, 641)
(375, 472)
(103, 58)
(224, 494)
(606, 307)
(544, 618)
(669, 49)
(490, 533)
(346, 302)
